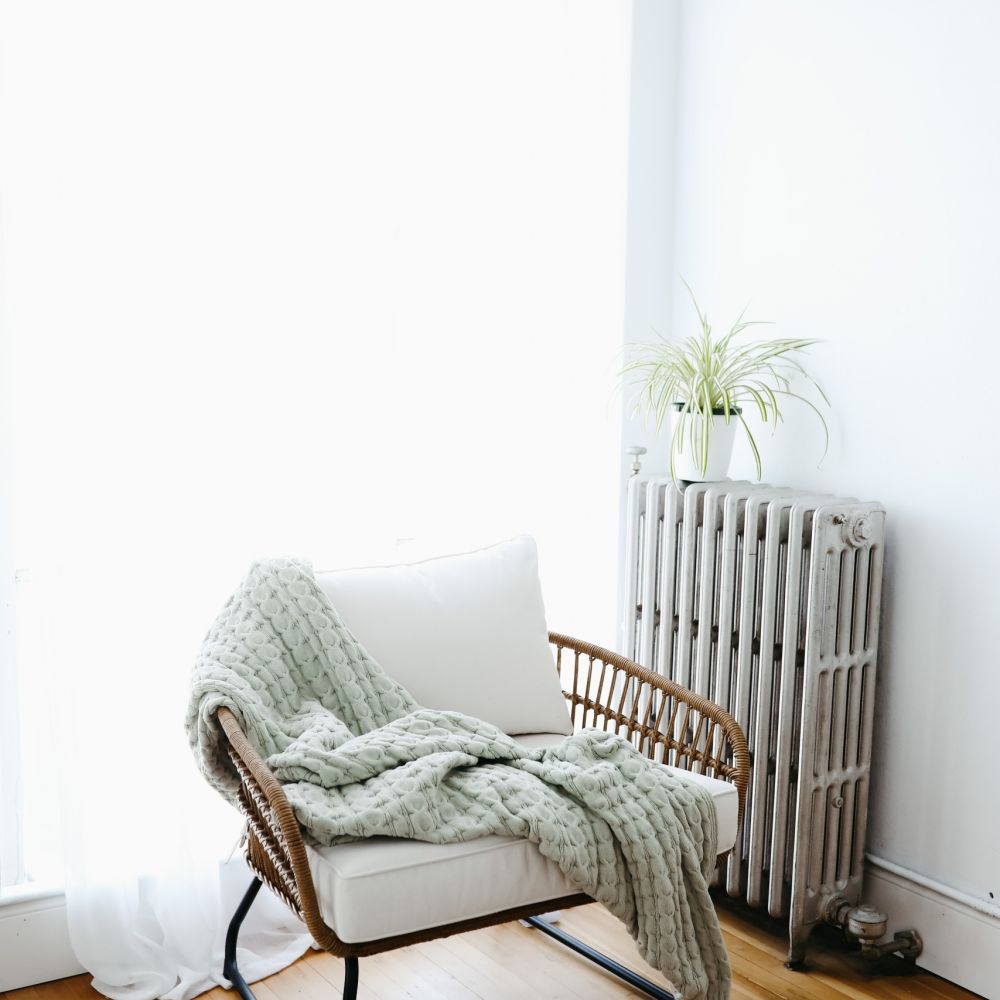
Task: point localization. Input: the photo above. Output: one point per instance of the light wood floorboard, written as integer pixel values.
(513, 962)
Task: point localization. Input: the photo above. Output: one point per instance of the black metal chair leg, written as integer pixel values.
(351, 978)
(229, 967)
(232, 972)
(623, 973)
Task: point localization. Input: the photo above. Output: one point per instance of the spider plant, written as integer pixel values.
(706, 376)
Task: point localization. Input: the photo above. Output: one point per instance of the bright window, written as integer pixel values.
(340, 280)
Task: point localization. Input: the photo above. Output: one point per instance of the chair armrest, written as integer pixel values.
(666, 722)
(275, 850)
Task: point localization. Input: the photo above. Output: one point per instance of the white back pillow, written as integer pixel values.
(464, 633)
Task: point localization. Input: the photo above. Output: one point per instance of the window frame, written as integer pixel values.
(12, 869)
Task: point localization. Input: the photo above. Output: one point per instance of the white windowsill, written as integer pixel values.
(30, 892)
(34, 937)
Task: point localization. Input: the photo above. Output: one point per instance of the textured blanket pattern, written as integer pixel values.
(358, 758)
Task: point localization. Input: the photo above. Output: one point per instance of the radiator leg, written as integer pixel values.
(798, 941)
(229, 967)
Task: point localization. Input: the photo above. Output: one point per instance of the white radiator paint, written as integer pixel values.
(767, 601)
(839, 165)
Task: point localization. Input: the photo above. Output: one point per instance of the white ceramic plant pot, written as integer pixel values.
(687, 460)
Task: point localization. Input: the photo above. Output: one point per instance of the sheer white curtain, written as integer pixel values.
(301, 278)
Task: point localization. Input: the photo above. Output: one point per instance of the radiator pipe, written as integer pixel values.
(868, 926)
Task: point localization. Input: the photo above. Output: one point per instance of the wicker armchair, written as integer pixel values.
(666, 722)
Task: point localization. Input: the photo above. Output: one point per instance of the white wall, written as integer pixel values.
(650, 215)
(839, 165)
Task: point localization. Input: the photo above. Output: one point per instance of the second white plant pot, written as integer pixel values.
(687, 460)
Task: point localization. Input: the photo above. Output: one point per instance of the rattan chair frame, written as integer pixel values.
(665, 721)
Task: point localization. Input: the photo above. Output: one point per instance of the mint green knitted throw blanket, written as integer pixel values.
(359, 758)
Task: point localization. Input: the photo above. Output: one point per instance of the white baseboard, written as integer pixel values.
(34, 943)
(961, 943)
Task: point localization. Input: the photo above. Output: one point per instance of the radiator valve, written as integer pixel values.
(636, 451)
(857, 530)
(868, 925)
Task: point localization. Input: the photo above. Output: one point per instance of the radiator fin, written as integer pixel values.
(767, 600)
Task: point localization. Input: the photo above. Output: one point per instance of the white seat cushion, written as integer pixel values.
(463, 633)
(384, 886)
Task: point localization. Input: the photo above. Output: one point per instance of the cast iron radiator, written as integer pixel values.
(767, 600)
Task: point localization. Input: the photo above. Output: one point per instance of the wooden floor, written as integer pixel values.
(512, 962)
